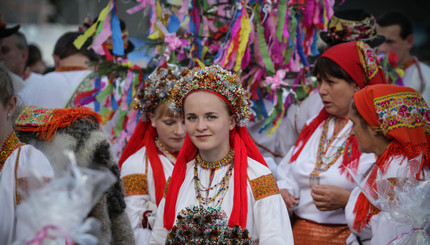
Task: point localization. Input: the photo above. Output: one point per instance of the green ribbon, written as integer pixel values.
(282, 12)
(270, 69)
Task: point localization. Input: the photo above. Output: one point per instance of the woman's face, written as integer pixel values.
(336, 95)
(208, 123)
(6, 113)
(170, 130)
(365, 135)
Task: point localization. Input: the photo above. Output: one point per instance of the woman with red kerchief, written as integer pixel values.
(312, 176)
(221, 189)
(150, 155)
(394, 123)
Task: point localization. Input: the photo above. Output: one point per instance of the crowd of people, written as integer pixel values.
(196, 171)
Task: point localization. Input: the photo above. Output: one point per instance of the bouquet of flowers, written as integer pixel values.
(57, 212)
(405, 200)
(205, 225)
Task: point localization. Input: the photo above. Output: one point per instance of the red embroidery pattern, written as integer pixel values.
(10, 144)
(401, 110)
(264, 186)
(135, 184)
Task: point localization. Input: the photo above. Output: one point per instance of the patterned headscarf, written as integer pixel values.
(45, 122)
(403, 117)
(359, 61)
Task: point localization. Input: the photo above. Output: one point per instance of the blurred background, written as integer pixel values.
(44, 21)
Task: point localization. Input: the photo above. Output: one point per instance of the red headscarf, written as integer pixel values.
(244, 147)
(402, 116)
(360, 62)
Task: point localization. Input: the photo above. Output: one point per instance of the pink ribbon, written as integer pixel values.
(143, 4)
(103, 35)
(276, 81)
(43, 234)
(172, 41)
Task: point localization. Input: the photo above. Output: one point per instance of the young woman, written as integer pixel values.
(312, 176)
(17, 162)
(219, 166)
(149, 157)
(392, 122)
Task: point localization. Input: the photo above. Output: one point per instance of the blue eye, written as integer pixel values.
(191, 118)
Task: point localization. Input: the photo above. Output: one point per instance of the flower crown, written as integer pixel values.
(156, 89)
(216, 79)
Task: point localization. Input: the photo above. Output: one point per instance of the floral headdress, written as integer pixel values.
(216, 80)
(156, 89)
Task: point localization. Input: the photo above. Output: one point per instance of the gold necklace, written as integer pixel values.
(217, 164)
(165, 151)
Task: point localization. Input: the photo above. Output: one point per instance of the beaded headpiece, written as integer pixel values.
(217, 80)
(156, 89)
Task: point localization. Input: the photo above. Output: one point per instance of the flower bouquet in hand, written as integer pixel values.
(57, 212)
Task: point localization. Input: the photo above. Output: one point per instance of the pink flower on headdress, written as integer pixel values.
(403, 111)
(392, 122)
(385, 103)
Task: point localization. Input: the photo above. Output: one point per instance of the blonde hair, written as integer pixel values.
(163, 110)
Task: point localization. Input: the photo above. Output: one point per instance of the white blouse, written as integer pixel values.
(24, 163)
(295, 176)
(137, 167)
(267, 220)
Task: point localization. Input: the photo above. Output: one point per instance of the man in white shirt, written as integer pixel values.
(398, 31)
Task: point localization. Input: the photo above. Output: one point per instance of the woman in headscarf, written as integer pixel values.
(150, 155)
(219, 173)
(392, 122)
(312, 176)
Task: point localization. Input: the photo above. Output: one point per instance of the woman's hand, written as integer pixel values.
(290, 200)
(328, 197)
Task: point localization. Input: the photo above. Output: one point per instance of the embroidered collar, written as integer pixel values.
(71, 68)
(10, 144)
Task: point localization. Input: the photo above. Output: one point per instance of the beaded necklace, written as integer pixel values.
(165, 151)
(320, 165)
(222, 186)
(215, 165)
(10, 144)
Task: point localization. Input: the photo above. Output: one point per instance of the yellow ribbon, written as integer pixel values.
(79, 42)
